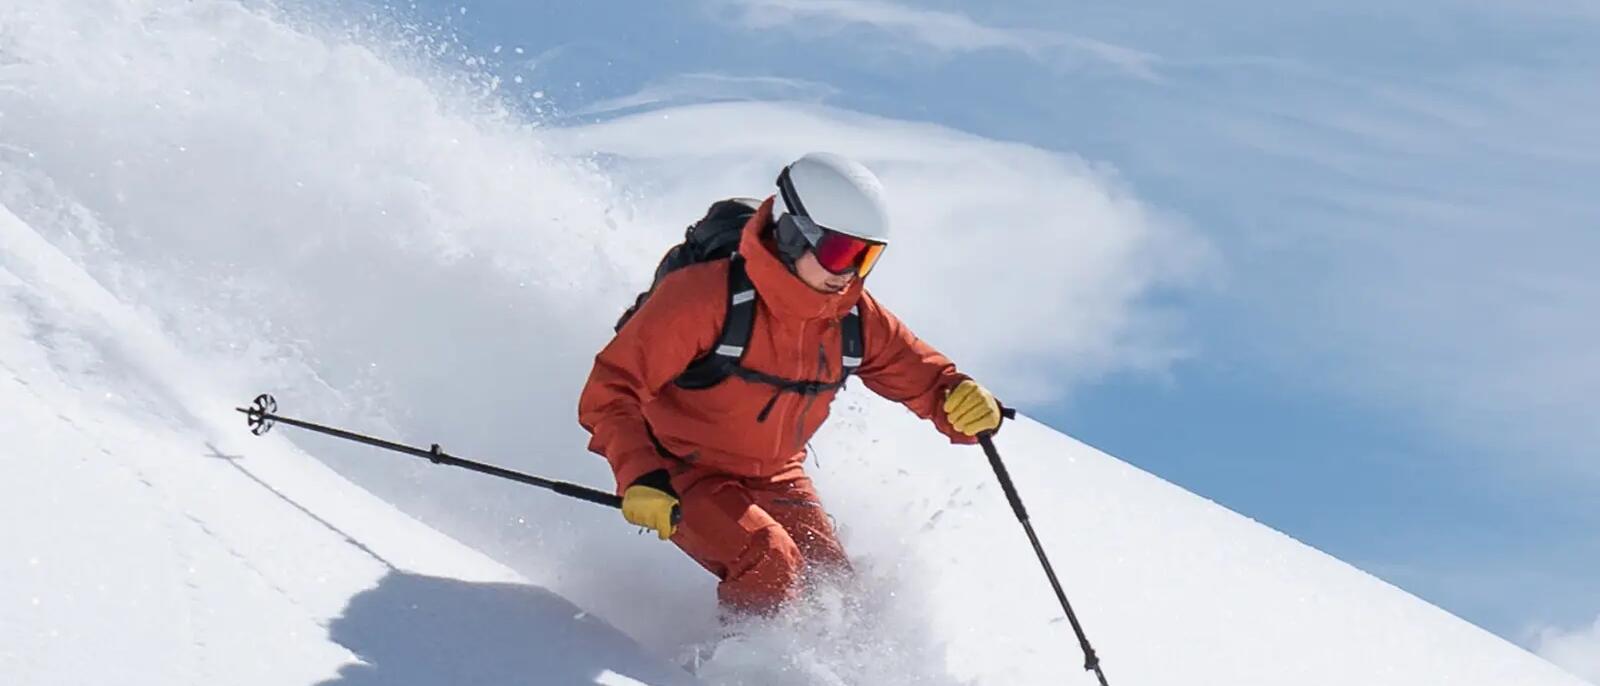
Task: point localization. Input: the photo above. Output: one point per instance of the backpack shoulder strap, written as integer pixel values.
(737, 328)
(851, 346)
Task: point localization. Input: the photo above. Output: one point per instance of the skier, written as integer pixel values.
(706, 398)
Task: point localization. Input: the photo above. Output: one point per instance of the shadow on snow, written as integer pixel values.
(414, 630)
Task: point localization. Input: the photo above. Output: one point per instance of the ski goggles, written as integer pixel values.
(836, 251)
(840, 253)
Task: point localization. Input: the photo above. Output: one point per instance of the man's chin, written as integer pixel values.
(828, 286)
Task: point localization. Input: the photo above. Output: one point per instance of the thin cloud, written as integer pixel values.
(1451, 224)
(686, 89)
(1577, 651)
(944, 31)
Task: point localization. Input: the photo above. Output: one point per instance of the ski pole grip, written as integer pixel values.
(603, 498)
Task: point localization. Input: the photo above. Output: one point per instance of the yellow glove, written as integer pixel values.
(650, 507)
(971, 409)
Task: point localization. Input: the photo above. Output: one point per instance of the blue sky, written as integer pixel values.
(1390, 352)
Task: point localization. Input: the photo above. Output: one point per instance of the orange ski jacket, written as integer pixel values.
(630, 395)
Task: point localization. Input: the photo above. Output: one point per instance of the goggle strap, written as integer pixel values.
(791, 198)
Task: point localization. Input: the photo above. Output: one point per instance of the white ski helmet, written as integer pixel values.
(837, 193)
(823, 192)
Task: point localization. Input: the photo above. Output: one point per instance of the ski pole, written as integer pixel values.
(1091, 662)
(262, 416)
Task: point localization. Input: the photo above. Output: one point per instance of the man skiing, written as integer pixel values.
(705, 400)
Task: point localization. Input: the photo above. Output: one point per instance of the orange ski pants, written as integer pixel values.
(763, 537)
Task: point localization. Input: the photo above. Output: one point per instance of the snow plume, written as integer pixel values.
(1577, 650)
(860, 631)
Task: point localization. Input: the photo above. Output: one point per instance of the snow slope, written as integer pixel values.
(206, 199)
(147, 543)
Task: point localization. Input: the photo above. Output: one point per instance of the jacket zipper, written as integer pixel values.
(810, 401)
(778, 438)
(822, 371)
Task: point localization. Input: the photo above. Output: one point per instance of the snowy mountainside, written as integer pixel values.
(150, 541)
(208, 199)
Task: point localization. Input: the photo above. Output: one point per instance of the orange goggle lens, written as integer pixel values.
(870, 258)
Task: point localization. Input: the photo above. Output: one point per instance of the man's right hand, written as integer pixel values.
(650, 503)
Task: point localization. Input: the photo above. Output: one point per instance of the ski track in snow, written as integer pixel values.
(201, 200)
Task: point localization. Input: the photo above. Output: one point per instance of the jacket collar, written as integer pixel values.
(782, 291)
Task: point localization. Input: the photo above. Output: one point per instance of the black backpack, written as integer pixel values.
(716, 237)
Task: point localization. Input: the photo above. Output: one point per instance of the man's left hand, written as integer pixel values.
(972, 409)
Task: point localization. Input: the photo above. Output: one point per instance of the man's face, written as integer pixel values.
(818, 278)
